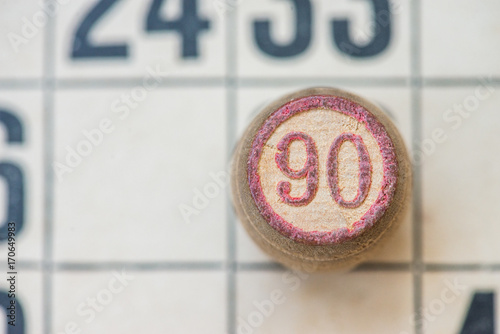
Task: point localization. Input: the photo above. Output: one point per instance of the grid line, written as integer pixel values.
(231, 122)
(48, 112)
(416, 116)
(129, 82)
(146, 266)
(245, 266)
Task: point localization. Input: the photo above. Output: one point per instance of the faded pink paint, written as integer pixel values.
(365, 170)
(390, 168)
(310, 170)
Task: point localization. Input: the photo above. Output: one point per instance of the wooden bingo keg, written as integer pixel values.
(320, 178)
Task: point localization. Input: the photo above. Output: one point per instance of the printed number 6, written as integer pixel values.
(13, 176)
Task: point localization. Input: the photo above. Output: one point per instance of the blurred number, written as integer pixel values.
(15, 198)
(13, 176)
(5, 304)
(381, 34)
(303, 32)
(189, 25)
(83, 48)
(481, 316)
(13, 127)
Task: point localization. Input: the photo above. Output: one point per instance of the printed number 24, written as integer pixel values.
(190, 25)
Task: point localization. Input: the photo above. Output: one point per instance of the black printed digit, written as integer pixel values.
(13, 176)
(481, 315)
(303, 33)
(13, 126)
(189, 25)
(83, 48)
(5, 303)
(381, 34)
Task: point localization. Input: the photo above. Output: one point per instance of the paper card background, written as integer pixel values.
(158, 116)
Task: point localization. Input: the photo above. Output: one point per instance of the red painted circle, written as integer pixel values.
(377, 130)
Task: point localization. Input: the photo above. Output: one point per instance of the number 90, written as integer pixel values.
(310, 169)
